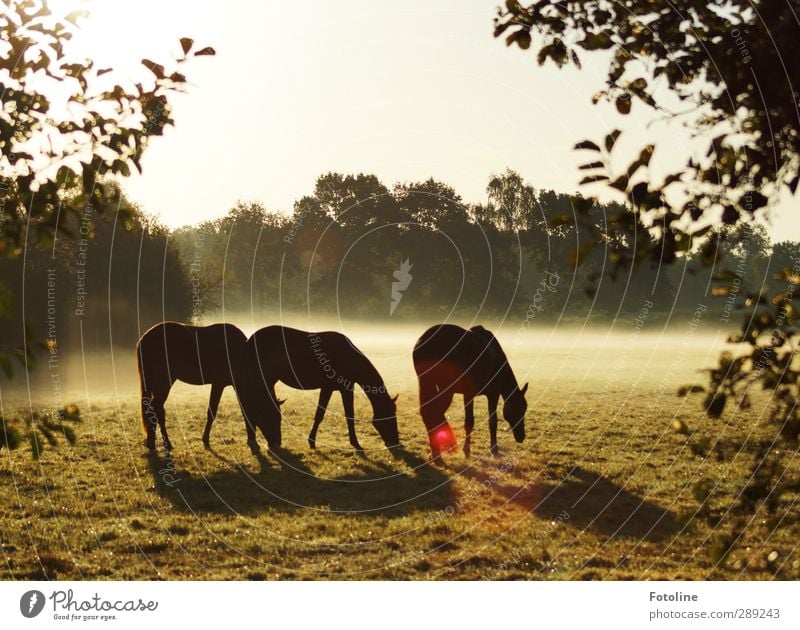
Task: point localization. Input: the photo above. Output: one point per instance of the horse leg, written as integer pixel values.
(322, 405)
(213, 405)
(245, 391)
(493, 424)
(160, 417)
(432, 405)
(349, 413)
(469, 422)
(154, 394)
(149, 421)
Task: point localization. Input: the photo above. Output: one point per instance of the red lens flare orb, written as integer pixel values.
(444, 438)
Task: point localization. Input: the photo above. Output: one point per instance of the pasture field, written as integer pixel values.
(600, 489)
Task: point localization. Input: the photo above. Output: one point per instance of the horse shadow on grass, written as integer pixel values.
(586, 500)
(282, 481)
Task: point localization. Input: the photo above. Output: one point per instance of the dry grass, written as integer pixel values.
(601, 489)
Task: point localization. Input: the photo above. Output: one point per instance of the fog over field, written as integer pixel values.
(622, 356)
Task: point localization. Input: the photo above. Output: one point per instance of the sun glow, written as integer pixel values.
(120, 33)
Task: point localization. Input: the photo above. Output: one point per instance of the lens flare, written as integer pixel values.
(444, 438)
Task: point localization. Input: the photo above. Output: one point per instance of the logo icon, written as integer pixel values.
(31, 604)
(403, 279)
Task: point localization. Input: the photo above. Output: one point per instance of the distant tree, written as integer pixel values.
(512, 202)
(430, 204)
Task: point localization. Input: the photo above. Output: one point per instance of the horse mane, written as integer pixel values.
(494, 346)
(490, 339)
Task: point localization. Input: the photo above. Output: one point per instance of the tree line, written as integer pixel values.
(519, 255)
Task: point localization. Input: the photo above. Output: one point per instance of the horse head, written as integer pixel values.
(262, 409)
(514, 408)
(384, 411)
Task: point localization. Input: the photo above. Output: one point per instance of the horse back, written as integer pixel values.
(197, 355)
(309, 360)
(460, 359)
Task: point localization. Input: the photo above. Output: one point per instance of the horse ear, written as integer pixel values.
(280, 401)
(524, 389)
(395, 397)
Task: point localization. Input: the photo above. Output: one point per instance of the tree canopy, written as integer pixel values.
(65, 124)
(733, 66)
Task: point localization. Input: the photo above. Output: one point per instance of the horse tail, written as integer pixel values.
(145, 394)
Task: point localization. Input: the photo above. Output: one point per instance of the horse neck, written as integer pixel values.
(365, 374)
(371, 382)
(377, 394)
(505, 378)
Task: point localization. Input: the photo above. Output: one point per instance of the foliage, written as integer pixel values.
(39, 430)
(723, 62)
(66, 124)
(770, 361)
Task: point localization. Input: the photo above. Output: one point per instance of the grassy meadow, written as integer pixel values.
(600, 489)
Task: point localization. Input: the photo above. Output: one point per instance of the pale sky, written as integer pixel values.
(404, 89)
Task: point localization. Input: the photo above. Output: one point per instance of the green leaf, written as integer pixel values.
(521, 38)
(690, 389)
(9, 435)
(596, 41)
(621, 183)
(643, 160)
(69, 434)
(638, 192)
(753, 200)
(156, 68)
(591, 179)
(715, 404)
(611, 139)
(586, 145)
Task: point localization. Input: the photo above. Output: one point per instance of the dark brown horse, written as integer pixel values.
(198, 355)
(327, 361)
(450, 360)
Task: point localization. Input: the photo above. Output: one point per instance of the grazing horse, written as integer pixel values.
(198, 355)
(450, 360)
(327, 361)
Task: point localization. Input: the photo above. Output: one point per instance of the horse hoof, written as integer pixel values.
(312, 444)
(495, 451)
(150, 446)
(467, 451)
(207, 443)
